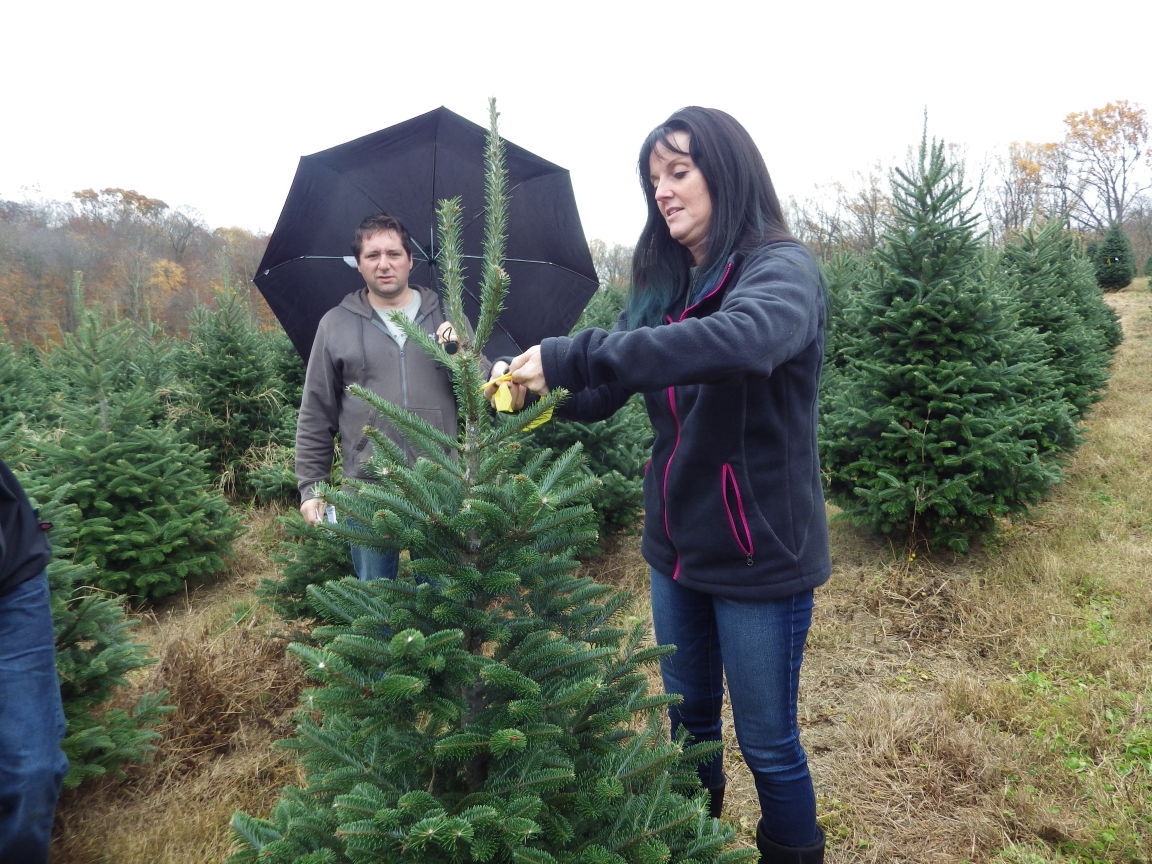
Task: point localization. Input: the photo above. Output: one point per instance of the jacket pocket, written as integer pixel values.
(737, 517)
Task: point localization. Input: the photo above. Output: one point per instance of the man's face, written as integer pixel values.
(385, 267)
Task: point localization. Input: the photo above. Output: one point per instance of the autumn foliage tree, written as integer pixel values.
(131, 254)
(1107, 149)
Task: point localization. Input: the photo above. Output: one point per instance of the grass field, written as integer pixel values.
(995, 707)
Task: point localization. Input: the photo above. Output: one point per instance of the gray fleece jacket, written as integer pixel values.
(351, 349)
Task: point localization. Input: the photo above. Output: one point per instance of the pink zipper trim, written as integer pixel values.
(719, 285)
(667, 469)
(728, 479)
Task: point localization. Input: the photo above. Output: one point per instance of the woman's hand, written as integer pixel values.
(528, 370)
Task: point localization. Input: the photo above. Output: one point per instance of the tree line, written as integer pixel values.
(1097, 177)
(117, 249)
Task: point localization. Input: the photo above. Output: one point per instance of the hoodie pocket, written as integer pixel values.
(737, 518)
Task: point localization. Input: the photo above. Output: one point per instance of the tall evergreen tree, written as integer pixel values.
(948, 416)
(488, 706)
(1115, 261)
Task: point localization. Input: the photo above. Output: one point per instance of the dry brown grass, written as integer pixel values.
(233, 689)
(946, 701)
(956, 709)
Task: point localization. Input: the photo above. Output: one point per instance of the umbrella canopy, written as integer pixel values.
(405, 170)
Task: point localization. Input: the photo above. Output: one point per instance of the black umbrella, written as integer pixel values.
(405, 170)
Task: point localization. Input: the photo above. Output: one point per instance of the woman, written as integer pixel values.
(724, 335)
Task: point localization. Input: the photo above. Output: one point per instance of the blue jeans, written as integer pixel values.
(372, 563)
(758, 647)
(32, 765)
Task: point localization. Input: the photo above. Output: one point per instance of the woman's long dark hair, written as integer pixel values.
(745, 211)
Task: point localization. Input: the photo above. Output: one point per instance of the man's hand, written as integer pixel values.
(446, 338)
(518, 393)
(313, 511)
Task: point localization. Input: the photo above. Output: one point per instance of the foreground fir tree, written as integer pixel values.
(948, 415)
(488, 706)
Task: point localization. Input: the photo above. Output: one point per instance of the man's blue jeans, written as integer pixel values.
(32, 765)
(370, 563)
(758, 647)
(375, 563)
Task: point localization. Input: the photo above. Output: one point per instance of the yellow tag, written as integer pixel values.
(502, 400)
(503, 397)
(540, 421)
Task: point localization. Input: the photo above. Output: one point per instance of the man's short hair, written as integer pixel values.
(374, 225)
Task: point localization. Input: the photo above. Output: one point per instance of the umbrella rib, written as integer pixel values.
(534, 261)
(302, 258)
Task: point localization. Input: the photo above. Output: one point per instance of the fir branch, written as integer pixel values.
(495, 279)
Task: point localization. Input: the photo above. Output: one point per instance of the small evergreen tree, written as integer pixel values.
(149, 519)
(488, 706)
(234, 400)
(312, 554)
(1078, 276)
(22, 389)
(947, 417)
(843, 275)
(1040, 277)
(94, 651)
(289, 367)
(1115, 261)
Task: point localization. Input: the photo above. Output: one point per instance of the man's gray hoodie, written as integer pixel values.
(352, 346)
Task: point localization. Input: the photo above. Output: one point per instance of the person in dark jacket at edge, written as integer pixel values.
(32, 765)
(724, 335)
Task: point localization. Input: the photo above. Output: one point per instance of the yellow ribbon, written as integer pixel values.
(502, 400)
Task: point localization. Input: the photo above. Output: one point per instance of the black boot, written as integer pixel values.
(772, 852)
(716, 800)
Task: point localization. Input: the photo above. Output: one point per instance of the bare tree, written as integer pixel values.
(179, 227)
(843, 218)
(613, 264)
(1107, 155)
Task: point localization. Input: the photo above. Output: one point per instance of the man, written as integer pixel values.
(358, 343)
(32, 765)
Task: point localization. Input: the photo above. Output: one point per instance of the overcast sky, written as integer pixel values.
(209, 105)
